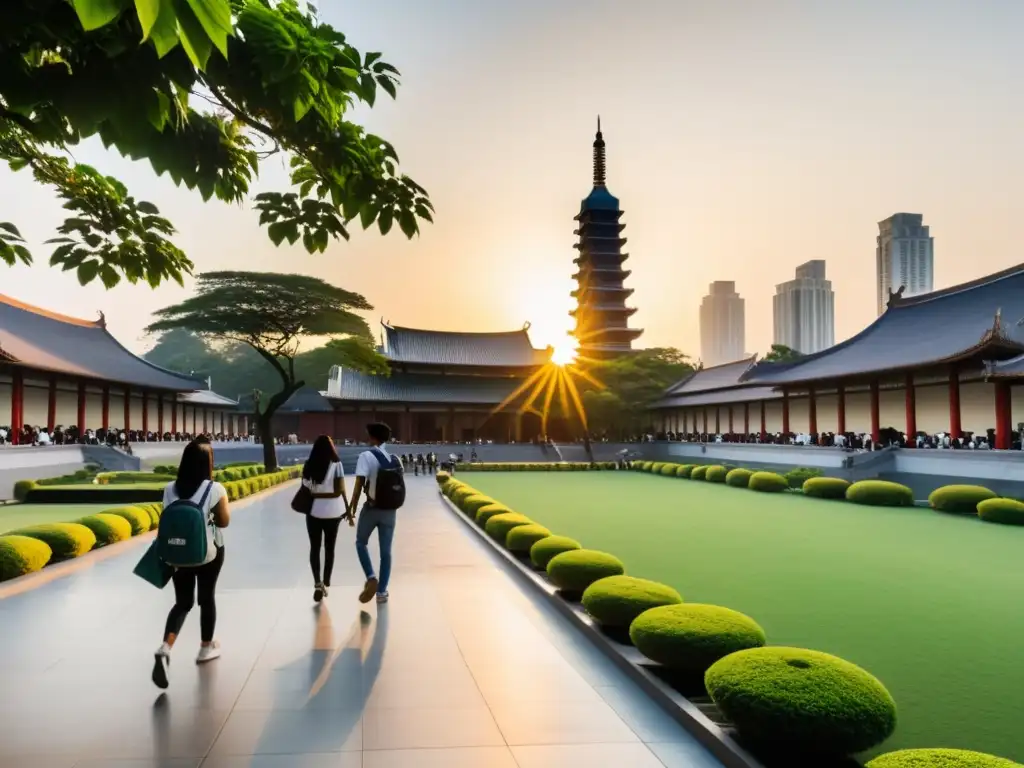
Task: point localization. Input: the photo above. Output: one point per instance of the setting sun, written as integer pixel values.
(564, 352)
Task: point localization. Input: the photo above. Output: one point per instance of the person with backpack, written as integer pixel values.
(189, 539)
(324, 476)
(381, 476)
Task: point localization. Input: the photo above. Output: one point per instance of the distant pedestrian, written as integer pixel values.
(324, 476)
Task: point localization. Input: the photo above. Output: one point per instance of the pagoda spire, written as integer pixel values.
(599, 156)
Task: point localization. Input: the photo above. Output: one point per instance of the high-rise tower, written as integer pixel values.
(601, 314)
(904, 256)
(722, 325)
(804, 310)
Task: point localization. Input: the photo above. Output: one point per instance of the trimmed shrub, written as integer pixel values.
(826, 487)
(138, 518)
(473, 504)
(880, 493)
(691, 636)
(460, 494)
(684, 470)
(95, 494)
(716, 473)
(544, 550)
(451, 487)
(940, 758)
(802, 700)
(498, 526)
(522, 538)
(1005, 511)
(65, 540)
(488, 511)
(574, 571)
(959, 499)
(109, 529)
(669, 470)
(645, 466)
(797, 477)
(616, 600)
(20, 555)
(767, 482)
(738, 478)
(442, 477)
(699, 472)
(22, 487)
(656, 467)
(154, 509)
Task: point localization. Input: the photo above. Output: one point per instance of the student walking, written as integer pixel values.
(380, 476)
(190, 538)
(324, 476)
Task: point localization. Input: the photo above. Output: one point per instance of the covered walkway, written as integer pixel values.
(462, 669)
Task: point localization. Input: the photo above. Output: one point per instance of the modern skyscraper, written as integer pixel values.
(602, 317)
(804, 310)
(722, 336)
(904, 255)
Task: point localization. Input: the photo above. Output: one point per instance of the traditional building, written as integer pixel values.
(57, 370)
(602, 317)
(941, 362)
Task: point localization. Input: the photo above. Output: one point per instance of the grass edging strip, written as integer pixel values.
(678, 707)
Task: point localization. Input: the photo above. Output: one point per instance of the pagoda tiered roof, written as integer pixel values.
(505, 349)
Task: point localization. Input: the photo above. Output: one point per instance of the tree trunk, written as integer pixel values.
(266, 433)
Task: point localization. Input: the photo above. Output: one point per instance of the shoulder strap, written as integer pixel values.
(206, 493)
(378, 454)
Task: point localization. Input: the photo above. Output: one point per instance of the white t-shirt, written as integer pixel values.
(367, 466)
(328, 509)
(214, 535)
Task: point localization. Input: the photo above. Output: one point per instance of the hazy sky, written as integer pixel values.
(744, 138)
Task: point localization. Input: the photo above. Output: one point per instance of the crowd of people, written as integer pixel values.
(61, 435)
(851, 441)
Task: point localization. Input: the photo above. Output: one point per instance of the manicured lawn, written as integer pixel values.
(931, 604)
(19, 515)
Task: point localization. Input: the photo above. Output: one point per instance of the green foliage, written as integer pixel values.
(474, 503)
(669, 469)
(939, 758)
(880, 493)
(780, 353)
(20, 555)
(699, 472)
(805, 701)
(65, 540)
(488, 511)
(691, 636)
(826, 487)
(442, 477)
(577, 569)
(738, 478)
(684, 470)
(616, 601)
(279, 81)
(137, 517)
(547, 548)
(716, 474)
(959, 499)
(656, 467)
(1005, 511)
(797, 477)
(767, 482)
(498, 526)
(522, 538)
(108, 529)
(22, 488)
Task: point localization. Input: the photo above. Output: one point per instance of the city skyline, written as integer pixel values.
(723, 325)
(803, 311)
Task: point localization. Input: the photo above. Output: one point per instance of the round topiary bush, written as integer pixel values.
(522, 538)
(20, 555)
(154, 509)
(797, 477)
(808, 701)
(488, 511)
(109, 529)
(738, 478)
(473, 504)
(451, 486)
(442, 477)
(940, 758)
(716, 474)
(669, 470)
(616, 600)
(1005, 511)
(880, 493)
(684, 470)
(460, 494)
(959, 499)
(138, 518)
(699, 472)
(22, 487)
(767, 482)
(574, 571)
(826, 487)
(65, 540)
(656, 467)
(544, 550)
(691, 636)
(498, 526)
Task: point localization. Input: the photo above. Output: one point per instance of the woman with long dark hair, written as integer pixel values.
(324, 476)
(195, 483)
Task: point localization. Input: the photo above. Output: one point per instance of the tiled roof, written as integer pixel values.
(916, 331)
(206, 397)
(47, 341)
(511, 349)
(715, 377)
(423, 388)
(1014, 367)
(719, 397)
(307, 400)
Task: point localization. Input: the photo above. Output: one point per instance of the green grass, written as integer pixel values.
(19, 515)
(929, 603)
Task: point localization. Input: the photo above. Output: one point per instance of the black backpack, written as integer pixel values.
(390, 490)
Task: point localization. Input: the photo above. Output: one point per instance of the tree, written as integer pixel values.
(780, 353)
(271, 313)
(271, 79)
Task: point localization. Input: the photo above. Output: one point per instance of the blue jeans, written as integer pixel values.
(383, 520)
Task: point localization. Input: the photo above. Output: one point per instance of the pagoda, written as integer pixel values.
(601, 314)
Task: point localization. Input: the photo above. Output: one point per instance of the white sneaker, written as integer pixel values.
(208, 652)
(161, 661)
(382, 597)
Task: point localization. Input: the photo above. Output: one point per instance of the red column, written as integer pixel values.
(81, 407)
(160, 415)
(205, 427)
(51, 405)
(1004, 425)
(764, 422)
(785, 413)
(174, 416)
(106, 407)
(812, 412)
(730, 419)
(145, 412)
(705, 430)
(746, 422)
(718, 423)
(193, 421)
(127, 410)
(222, 430)
(954, 404)
(17, 405)
(685, 423)
(911, 407)
(874, 412)
(841, 408)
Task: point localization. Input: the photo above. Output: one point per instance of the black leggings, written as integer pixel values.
(327, 529)
(186, 581)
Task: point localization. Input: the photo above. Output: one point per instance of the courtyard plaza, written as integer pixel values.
(463, 668)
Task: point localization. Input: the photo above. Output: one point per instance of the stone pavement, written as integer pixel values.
(462, 669)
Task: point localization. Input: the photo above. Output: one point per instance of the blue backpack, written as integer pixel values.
(181, 539)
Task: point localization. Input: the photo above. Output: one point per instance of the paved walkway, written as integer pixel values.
(463, 669)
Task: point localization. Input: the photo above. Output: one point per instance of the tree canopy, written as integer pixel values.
(204, 90)
(780, 353)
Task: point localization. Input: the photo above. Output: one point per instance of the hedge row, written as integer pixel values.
(806, 702)
(548, 466)
(25, 550)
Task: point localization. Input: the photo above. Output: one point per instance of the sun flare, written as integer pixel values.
(564, 352)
